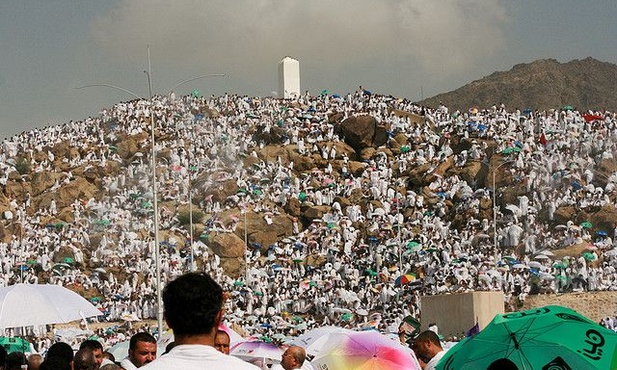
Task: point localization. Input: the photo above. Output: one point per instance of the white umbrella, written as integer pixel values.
(39, 304)
(313, 341)
(255, 349)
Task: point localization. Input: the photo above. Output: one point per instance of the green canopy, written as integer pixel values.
(12, 344)
(511, 150)
(412, 244)
(549, 337)
(586, 225)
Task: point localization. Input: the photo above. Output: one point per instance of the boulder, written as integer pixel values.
(227, 245)
(44, 180)
(362, 131)
(315, 212)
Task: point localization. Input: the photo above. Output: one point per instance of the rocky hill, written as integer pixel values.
(337, 178)
(541, 85)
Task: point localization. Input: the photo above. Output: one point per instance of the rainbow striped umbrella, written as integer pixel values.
(364, 350)
(404, 279)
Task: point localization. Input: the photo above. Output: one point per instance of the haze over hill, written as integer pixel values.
(540, 85)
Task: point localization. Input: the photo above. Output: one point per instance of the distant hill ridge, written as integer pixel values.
(540, 85)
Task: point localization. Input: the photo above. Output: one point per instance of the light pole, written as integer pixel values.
(495, 204)
(157, 254)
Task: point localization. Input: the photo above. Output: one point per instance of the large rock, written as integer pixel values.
(17, 189)
(44, 180)
(127, 146)
(227, 245)
(605, 219)
(362, 131)
(79, 188)
(315, 212)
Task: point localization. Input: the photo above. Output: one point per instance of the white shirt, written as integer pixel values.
(197, 357)
(127, 364)
(433, 362)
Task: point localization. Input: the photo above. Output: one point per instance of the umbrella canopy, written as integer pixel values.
(313, 341)
(12, 344)
(39, 304)
(364, 350)
(404, 279)
(256, 349)
(550, 337)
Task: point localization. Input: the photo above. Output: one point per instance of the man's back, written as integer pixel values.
(197, 356)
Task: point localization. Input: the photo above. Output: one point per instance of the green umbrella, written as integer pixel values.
(413, 246)
(12, 344)
(371, 272)
(589, 256)
(550, 337)
(302, 196)
(568, 107)
(586, 225)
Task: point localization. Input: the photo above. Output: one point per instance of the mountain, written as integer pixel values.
(540, 85)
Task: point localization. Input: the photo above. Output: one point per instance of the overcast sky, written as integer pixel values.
(406, 48)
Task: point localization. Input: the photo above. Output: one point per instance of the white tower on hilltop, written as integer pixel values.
(289, 78)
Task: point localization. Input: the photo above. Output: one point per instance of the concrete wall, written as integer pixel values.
(454, 314)
(594, 305)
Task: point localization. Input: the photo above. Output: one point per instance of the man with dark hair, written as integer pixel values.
(97, 350)
(85, 360)
(60, 350)
(15, 360)
(3, 355)
(428, 348)
(55, 363)
(142, 351)
(502, 364)
(193, 310)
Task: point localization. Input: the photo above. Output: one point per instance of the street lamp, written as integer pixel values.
(495, 203)
(157, 254)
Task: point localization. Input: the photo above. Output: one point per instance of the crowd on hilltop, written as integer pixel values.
(362, 248)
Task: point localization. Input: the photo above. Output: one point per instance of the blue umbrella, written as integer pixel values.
(256, 245)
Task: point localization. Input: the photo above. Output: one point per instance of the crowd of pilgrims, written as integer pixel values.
(361, 250)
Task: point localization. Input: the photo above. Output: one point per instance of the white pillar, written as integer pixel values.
(289, 78)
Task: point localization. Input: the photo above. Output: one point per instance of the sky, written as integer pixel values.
(407, 48)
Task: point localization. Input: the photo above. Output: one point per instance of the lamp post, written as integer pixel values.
(157, 254)
(495, 204)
